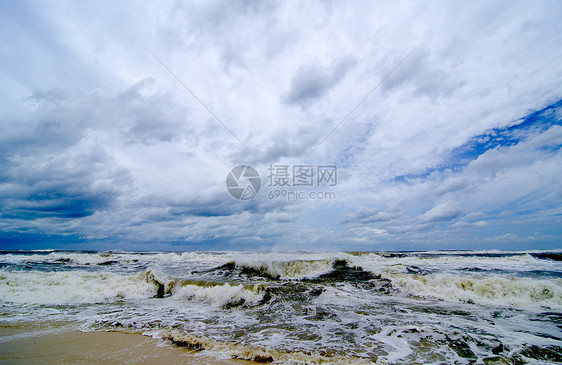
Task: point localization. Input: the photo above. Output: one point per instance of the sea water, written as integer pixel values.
(303, 307)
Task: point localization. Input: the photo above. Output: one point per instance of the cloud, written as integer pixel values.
(366, 215)
(443, 212)
(420, 71)
(311, 82)
(72, 184)
(464, 224)
(100, 143)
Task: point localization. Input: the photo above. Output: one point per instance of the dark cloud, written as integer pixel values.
(311, 82)
(51, 125)
(56, 204)
(52, 163)
(61, 186)
(40, 177)
(31, 240)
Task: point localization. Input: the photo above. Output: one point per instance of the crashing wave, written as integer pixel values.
(225, 294)
(72, 287)
(252, 353)
(497, 290)
(294, 269)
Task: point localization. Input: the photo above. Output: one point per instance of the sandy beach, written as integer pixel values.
(52, 343)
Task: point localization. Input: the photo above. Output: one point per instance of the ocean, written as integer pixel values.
(452, 307)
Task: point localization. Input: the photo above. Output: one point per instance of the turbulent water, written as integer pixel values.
(304, 308)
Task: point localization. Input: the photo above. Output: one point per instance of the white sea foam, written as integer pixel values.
(86, 259)
(386, 265)
(72, 287)
(447, 277)
(252, 353)
(496, 290)
(220, 294)
(188, 256)
(76, 258)
(296, 269)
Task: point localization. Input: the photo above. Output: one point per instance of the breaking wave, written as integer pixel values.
(281, 270)
(253, 353)
(497, 291)
(218, 294)
(72, 287)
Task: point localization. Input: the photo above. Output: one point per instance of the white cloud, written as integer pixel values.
(90, 114)
(442, 212)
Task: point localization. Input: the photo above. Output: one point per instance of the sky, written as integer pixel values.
(366, 125)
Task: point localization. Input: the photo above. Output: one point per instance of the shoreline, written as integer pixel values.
(62, 343)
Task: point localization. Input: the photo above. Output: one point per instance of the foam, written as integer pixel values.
(218, 294)
(72, 287)
(251, 353)
(187, 256)
(522, 262)
(86, 259)
(290, 269)
(497, 291)
(67, 258)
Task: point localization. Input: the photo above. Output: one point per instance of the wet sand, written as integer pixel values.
(58, 344)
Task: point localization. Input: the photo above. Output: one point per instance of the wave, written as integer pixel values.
(518, 280)
(84, 287)
(287, 265)
(252, 353)
(72, 287)
(280, 270)
(444, 278)
(224, 295)
(497, 290)
(65, 258)
(105, 258)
